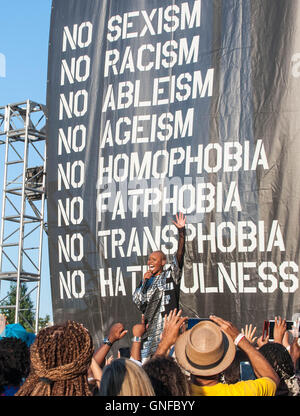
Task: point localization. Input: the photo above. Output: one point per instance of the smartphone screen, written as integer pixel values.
(193, 321)
(246, 371)
(124, 352)
(289, 326)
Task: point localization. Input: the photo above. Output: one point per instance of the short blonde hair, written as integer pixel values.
(123, 377)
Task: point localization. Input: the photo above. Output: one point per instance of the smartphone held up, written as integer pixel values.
(292, 326)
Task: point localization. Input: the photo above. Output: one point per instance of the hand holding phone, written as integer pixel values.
(280, 327)
(275, 329)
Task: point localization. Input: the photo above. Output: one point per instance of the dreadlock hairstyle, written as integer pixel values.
(60, 358)
(279, 358)
(14, 362)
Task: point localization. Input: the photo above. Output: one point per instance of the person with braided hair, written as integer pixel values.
(60, 358)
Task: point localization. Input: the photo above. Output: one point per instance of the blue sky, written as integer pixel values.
(24, 37)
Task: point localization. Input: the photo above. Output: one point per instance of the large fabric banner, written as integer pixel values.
(159, 107)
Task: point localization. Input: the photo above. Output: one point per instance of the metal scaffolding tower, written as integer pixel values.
(23, 132)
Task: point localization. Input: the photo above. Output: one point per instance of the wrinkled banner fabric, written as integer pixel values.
(160, 107)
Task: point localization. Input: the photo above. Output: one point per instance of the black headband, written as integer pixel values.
(209, 366)
(46, 380)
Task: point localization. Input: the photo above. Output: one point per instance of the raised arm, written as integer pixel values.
(138, 331)
(173, 323)
(295, 351)
(260, 365)
(279, 329)
(180, 224)
(116, 332)
(249, 333)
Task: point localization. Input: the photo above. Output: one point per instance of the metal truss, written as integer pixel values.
(23, 132)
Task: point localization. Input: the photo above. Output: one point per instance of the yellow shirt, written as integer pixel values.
(263, 386)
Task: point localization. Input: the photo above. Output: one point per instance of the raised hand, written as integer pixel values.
(295, 351)
(116, 332)
(96, 371)
(262, 341)
(249, 333)
(227, 326)
(172, 325)
(139, 329)
(180, 221)
(279, 329)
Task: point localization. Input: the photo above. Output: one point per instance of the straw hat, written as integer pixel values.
(205, 349)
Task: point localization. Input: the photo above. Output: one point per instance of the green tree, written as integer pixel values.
(43, 322)
(26, 308)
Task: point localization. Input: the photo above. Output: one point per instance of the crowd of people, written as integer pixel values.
(168, 356)
(205, 360)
